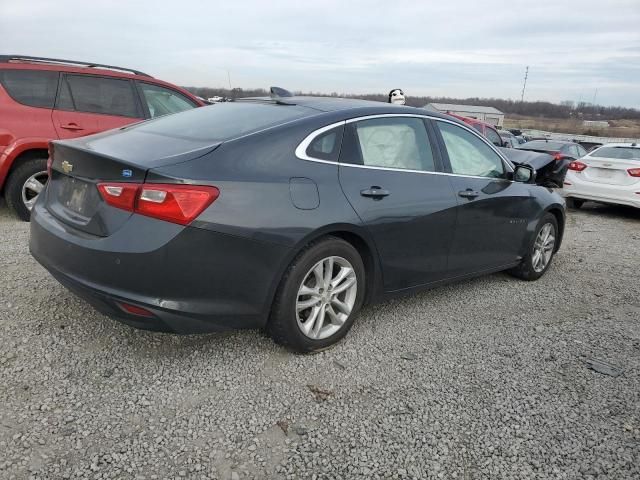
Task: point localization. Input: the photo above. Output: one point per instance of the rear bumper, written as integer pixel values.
(575, 187)
(191, 280)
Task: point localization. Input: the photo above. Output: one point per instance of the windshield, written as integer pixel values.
(223, 121)
(621, 153)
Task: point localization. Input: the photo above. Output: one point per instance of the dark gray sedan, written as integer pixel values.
(286, 214)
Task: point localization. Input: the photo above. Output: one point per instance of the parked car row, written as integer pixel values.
(365, 200)
(43, 99)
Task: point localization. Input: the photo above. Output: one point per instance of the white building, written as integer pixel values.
(485, 114)
(596, 123)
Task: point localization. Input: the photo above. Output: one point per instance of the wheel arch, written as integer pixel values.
(356, 236)
(558, 212)
(19, 155)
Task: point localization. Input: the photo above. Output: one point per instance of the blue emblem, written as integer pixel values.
(127, 173)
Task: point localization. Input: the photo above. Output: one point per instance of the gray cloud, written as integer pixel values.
(455, 48)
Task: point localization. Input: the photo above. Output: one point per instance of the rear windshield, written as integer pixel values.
(223, 121)
(621, 153)
(542, 145)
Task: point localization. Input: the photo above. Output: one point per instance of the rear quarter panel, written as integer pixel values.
(22, 128)
(253, 175)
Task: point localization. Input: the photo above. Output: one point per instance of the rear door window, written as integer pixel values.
(163, 101)
(92, 94)
(394, 142)
(34, 88)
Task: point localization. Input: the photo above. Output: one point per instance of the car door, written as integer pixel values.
(89, 104)
(492, 209)
(391, 174)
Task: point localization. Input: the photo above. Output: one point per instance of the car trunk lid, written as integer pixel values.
(609, 171)
(72, 193)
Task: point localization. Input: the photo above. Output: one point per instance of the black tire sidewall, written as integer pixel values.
(284, 323)
(13, 190)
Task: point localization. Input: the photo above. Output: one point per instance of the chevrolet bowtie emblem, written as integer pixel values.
(66, 167)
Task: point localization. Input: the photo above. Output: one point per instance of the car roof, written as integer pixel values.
(12, 62)
(339, 104)
(628, 145)
(70, 66)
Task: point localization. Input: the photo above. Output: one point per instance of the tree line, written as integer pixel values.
(566, 109)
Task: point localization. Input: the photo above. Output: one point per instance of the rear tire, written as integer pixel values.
(314, 309)
(574, 203)
(540, 251)
(19, 194)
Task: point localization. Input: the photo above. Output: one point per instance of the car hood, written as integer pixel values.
(526, 157)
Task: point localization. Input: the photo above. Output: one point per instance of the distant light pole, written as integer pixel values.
(526, 74)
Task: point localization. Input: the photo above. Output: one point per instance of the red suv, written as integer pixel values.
(485, 129)
(43, 99)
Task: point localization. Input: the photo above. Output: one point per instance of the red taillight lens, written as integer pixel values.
(577, 166)
(119, 195)
(173, 203)
(558, 156)
(634, 172)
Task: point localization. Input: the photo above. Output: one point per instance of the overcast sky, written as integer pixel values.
(458, 48)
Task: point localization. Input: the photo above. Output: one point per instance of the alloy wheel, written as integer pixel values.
(326, 297)
(543, 247)
(32, 188)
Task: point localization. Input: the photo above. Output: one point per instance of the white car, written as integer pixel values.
(608, 174)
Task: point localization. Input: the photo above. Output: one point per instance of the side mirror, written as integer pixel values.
(524, 174)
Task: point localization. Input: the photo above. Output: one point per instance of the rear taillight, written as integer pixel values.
(634, 172)
(558, 156)
(173, 203)
(119, 195)
(577, 166)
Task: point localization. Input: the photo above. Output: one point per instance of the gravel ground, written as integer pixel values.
(483, 379)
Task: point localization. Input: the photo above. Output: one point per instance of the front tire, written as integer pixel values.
(319, 296)
(541, 250)
(26, 182)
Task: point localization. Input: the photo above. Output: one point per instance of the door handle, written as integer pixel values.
(468, 193)
(375, 192)
(71, 126)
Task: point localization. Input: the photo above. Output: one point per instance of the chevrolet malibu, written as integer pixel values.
(285, 213)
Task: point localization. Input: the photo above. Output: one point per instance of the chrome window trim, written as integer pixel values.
(301, 149)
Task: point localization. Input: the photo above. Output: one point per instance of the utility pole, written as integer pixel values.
(526, 74)
(595, 94)
(229, 78)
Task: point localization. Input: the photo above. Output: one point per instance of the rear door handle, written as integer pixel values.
(375, 192)
(71, 126)
(470, 194)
